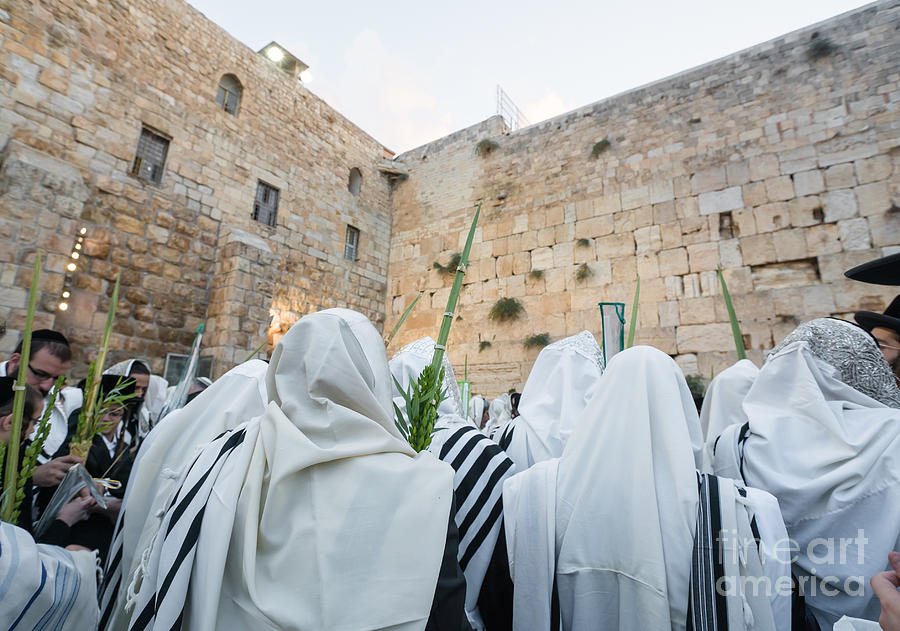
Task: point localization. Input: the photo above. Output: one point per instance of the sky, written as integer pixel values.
(411, 72)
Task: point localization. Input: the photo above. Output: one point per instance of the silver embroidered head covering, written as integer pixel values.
(852, 352)
(584, 343)
(420, 353)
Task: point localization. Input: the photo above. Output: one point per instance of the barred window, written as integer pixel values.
(150, 157)
(229, 94)
(351, 244)
(265, 208)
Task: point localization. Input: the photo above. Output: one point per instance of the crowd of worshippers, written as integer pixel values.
(283, 495)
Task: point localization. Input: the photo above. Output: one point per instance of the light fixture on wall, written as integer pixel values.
(285, 61)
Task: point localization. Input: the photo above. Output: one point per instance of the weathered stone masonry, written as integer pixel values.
(780, 167)
(78, 80)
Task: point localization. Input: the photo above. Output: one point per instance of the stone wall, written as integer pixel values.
(780, 163)
(78, 80)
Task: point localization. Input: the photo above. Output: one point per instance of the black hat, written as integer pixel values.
(49, 336)
(890, 319)
(883, 271)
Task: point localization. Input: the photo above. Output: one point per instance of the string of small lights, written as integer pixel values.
(71, 268)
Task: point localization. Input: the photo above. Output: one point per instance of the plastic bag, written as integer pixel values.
(77, 478)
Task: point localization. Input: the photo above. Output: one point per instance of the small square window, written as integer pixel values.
(265, 208)
(351, 244)
(150, 157)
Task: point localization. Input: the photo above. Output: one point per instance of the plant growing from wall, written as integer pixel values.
(820, 47)
(506, 310)
(485, 146)
(536, 274)
(583, 243)
(583, 272)
(483, 344)
(537, 340)
(599, 147)
(450, 268)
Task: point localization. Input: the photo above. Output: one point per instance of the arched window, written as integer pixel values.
(229, 95)
(355, 181)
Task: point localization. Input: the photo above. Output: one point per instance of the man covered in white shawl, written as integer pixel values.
(314, 515)
(480, 467)
(723, 403)
(161, 463)
(823, 437)
(622, 529)
(553, 400)
(500, 414)
(150, 390)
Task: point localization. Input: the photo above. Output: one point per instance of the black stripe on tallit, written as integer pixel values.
(482, 534)
(189, 542)
(483, 497)
(475, 471)
(702, 604)
(236, 439)
(454, 438)
(506, 437)
(463, 454)
(715, 518)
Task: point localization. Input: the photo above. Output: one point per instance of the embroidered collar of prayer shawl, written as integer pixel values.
(824, 449)
(330, 519)
(852, 352)
(43, 586)
(162, 461)
(554, 399)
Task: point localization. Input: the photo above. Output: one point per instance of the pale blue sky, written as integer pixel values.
(410, 72)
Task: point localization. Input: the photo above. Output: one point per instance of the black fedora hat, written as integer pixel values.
(883, 271)
(890, 319)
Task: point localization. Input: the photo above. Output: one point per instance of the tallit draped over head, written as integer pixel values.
(500, 415)
(639, 447)
(476, 409)
(554, 399)
(824, 439)
(163, 459)
(723, 402)
(479, 466)
(329, 519)
(154, 397)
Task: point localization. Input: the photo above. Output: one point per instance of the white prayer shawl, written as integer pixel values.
(824, 440)
(629, 474)
(554, 399)
(330, 520)
(500, 412)
(722, 404)
(154, 397)
(479, 466)
(43, 586)
(161, 464)
(476, 409)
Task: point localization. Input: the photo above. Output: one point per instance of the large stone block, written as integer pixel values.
(855, 234)
(809, 182)
(707, 180)
(699, 338)
(757, 249)
(839, 205)
(874, 198)
(703, 257)
(721, 201)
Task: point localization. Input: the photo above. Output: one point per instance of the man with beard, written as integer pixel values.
(150, 389)
(50, 356)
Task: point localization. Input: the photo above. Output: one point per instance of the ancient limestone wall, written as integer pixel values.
(78, 79)
(780, 163)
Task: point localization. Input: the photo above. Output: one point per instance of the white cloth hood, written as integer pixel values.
(826, 448)
(639, 445)
(166, 453)
(330, 519)
(723, 403)
(154, 397)
(554, 398)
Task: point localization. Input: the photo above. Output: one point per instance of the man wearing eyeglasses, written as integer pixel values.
(885, 328)
(50, 357)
